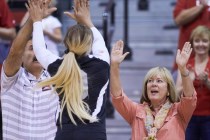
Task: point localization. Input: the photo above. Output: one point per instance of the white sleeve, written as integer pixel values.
(99, 49)
(44, 56)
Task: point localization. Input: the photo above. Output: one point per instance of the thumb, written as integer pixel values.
(69, 15)
(51, 10)
(125, 54)
(178, 51)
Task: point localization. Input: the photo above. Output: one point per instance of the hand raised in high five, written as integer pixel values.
(39, 9)
(117, 55)
(183, 56)
(81, 13)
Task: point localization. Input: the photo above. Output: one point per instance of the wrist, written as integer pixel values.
(90, 24)
(36, 20)
(114, 65)
(185, 73)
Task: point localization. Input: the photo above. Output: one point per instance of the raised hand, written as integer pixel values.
(35, 9)
(81, 12)
(46, 10)
(39, 9)
(183, 56)
(117, 55)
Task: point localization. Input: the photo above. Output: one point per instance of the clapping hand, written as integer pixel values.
(203, 76)
(203, 2)
(117, 55)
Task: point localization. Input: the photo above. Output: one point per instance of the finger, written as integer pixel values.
(87, 3)
(121, 45)
(114, 47)
(185, 46)
(51, 10)
(188, 47)
(118, 45)
(69, 15)
(125, 54)
(190, 50)
(178, 52)
(77, 4)
(47, 2)
(83, 3)
(206, 73)
(29, 3)
(33, 4)
(80, 3)
(27, 6)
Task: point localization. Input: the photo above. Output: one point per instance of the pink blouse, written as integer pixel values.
(175, 123)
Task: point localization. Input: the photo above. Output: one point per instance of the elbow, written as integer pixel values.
(178, 22)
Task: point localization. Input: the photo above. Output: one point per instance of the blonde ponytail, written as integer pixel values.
(68, 80)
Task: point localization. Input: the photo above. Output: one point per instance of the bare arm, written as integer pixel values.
(182, 58)
(179, 83)
(188, 15)
(115, 84)
(14, 60)
(7, 33)
(117, 57)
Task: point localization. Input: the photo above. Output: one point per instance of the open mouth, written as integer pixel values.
(154, 92)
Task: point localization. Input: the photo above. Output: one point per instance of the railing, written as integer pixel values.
(108, 22)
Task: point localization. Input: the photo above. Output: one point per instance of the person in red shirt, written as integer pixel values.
(199, 67)
(7, 30)
(188, 14)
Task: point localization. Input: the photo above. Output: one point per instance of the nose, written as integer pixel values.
(154, 83)
(200, 43)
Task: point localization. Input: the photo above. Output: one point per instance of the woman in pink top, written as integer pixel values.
(160, 115)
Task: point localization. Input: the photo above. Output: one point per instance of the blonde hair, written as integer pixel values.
(166, 75)
(68, 79)
(200, 31)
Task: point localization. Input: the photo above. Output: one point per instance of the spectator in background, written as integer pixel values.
(199, 67)
(28, 113)
(159, 115)
(7, 30)
(52, 30)
(188, 14)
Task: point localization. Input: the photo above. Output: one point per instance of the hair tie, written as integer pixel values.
(66, 51)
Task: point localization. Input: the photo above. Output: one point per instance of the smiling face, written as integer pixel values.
(157, 89)
(200, 40)
(201, 44)
(30, 62)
